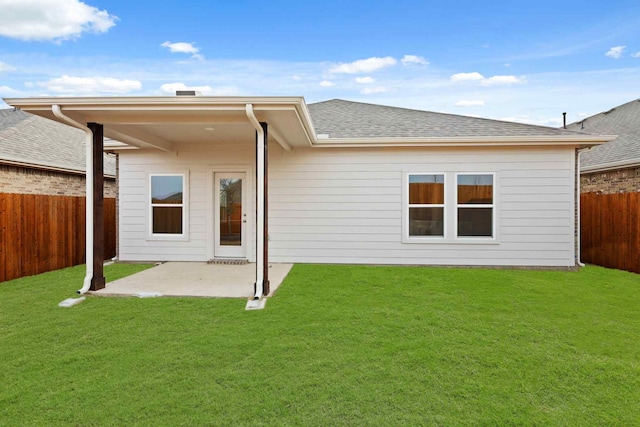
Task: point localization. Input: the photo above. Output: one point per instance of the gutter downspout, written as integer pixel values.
(57, 111)
(260, 208)
(579, 232)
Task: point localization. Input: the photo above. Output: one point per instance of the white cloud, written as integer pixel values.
(180, 47)
(90, 85)
(413, 60)
(51, 19)
(551, 122)
(502, 80)
(470, 103)
(327, 83)
(615, 52)
(7, 91)
(467, 77)
(365, 80)
(636, 55)
(484, 81)
(183, 47)
(5, 67)
(372, 90)
(364, 65)
(171, 88)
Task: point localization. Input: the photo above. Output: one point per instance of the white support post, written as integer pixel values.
(57, 111)
(260, 201)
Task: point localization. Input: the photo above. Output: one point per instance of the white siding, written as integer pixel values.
(200, 162)
(345, 205)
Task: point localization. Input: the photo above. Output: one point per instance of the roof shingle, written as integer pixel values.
(347, 119)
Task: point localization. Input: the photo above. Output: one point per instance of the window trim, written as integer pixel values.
(493, 206)
(185, 208)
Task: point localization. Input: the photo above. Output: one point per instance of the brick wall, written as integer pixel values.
(20, 180)
(609, 182)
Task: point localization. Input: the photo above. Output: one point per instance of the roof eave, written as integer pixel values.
(51, 168)
(604, 167)
(546, 140)
(240, 101)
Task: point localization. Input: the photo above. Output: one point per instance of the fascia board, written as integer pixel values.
(488, 141)
(163, 101)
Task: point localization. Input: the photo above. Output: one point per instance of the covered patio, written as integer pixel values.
(194, 279)
(176, 228)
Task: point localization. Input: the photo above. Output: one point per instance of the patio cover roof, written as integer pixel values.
(165, 122)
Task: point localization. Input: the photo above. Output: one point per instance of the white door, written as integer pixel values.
(230, 215)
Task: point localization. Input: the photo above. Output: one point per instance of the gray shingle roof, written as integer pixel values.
(31, 139)
(347, 119)
(624, 121)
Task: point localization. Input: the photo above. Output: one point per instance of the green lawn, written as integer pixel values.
(337, 345)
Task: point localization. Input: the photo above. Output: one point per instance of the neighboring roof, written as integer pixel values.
(346, 119)
(33, 141)
(624, 151)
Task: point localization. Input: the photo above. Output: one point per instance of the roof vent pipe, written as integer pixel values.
(564, 120)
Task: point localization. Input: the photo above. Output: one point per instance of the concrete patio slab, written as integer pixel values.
(195, 279)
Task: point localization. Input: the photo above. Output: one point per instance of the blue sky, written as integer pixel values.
(521, 61)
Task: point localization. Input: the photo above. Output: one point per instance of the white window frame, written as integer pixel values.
(450, 210)
(185, 208)
(493, 206)
(406, 238)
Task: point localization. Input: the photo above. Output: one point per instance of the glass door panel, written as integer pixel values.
(230, 212)
(231, 219)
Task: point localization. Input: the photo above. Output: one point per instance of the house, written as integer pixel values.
(615, 166)
(39, 156)
(331, 182)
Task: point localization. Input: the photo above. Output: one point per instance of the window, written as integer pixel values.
(167, 204)
(475, 205)
(426, 205)
(449, 207)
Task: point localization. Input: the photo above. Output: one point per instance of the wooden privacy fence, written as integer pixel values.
(433, 193)
(610, 230)
(40, 233)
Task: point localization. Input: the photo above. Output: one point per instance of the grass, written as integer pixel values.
(338, 345)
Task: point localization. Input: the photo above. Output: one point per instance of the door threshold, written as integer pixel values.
(229, 261)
